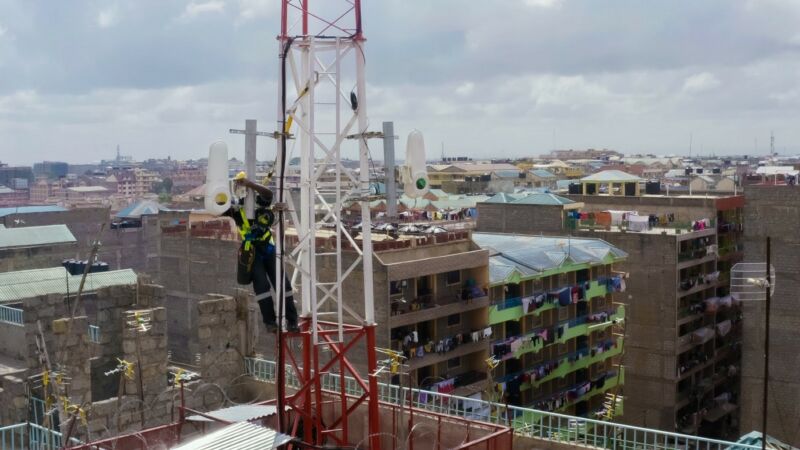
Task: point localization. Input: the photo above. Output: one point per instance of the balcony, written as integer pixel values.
(689, 262)
(730, 227)
(692, 254)
(566, 366)
(533, 415)
(435, 358)
(731, 251)
(579, 326)
(512, 309)
(443, 307)
(612, 382)
(682, 292)
(685, 398)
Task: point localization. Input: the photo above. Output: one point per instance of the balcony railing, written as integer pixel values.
(527, 422)
(568, 363)
(23, 436)
(512, 308)
(11, 315)
(578, 326)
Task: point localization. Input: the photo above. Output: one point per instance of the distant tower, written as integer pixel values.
(119, 157)
(771, 144)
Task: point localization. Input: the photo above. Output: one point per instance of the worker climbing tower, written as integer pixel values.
(322, 114)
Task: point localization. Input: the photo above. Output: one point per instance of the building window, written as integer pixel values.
(563, 313)
(453, 277)
(454, 363)
(396, 287)
(454, 319)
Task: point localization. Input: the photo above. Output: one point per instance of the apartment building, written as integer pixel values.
(683, 346)
(553, 317)
(773, 211)
(431, 300)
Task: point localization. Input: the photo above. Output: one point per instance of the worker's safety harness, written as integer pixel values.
(247, 254)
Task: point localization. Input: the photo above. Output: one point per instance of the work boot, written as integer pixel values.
(272, 327)
(292, 327)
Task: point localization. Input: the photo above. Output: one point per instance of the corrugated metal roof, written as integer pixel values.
(35, 236)
(542, 173)
(238, 413)
(610, 176)
(543, 199)
(139, 209)
(241, 436)
(531, 256)
(22, 284)
(506, 173)
(29, 210)
(502, 197)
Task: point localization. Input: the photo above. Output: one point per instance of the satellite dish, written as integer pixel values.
(749, 281)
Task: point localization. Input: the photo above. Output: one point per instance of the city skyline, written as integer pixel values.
(168, 79)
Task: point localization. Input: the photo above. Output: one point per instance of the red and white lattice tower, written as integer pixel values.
(322, 97)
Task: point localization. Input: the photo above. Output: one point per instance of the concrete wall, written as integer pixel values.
(511, 218)
(134, 248)
(36, 257)
(773, 211)
(195, 265)
(650, 326)
(685, 209)
(11, 335)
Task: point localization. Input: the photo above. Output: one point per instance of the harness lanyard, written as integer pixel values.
(247, 237)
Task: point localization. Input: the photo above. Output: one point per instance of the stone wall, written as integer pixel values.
(11, 335)
(773, 211)
(74, 343)
(13, 398)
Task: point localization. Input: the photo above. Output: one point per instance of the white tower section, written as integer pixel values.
(326, 105)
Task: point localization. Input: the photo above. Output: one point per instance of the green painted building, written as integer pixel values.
(556, 327)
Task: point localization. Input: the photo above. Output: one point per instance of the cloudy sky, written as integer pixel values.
(488, 78)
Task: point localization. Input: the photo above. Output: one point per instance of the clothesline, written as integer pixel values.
(505, 348)
(414, 348)
(551, 365)
(564, 295)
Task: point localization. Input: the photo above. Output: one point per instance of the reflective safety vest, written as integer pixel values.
(247, 233)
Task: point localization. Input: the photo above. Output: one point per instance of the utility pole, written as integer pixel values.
(389, 167)
(768, 296)
(250, 132)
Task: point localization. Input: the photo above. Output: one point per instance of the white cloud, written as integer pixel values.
(543, 3)
(465, 88)
(107, 18)
(194, 9)
(3, 31)
(700, 82)
(252, 9)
